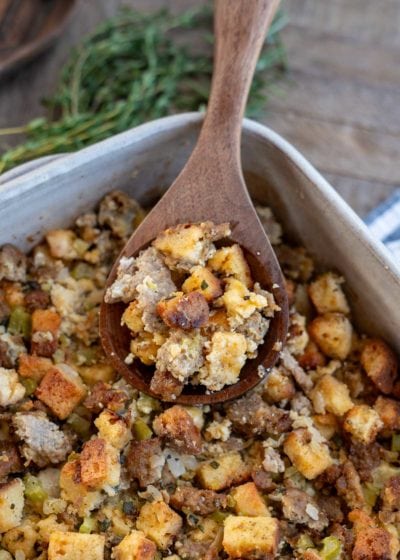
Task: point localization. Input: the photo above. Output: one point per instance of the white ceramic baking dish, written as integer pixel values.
(145, 160)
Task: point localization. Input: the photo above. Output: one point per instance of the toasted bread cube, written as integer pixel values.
(230, 261)
(327, 295)
(333, 333)
(159, 523)
(135, 546)
(75, 492)
(22, 538)
(380, 364)
(248, 501)
(371, 541)
(251, 537)
(176, 425)
(223, 472)
(113, 429)
(331, 395)
(98, 372)
(13, 294)
(218, 320)
(33, 367)
(11, 504)
(184, 311)
(202, 280)
(100, 464)
(389, 412)
(45, 327)
(132, 317)
(145, 347)
(240, 303)
(188, 245)
(311, 357)
(62, 390)
(363, 423)
(309, 455)
(76, 546)
(224, 361)
(61, 243)
(278, 386)
(327, 424)
(11, 391)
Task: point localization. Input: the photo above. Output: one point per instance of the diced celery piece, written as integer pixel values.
(82, 270)
(34, 490)
(304, 542)
(371, 493)
(80, 425)
(89, 525)
(396, 442)
(219, 516)
(147, 404)
(20, 322)
(141, 430)
(331, 549)
(29, 384)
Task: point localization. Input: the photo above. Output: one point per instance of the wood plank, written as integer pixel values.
(339, 100)
(326, 55)
(367, 20)
(340, 148)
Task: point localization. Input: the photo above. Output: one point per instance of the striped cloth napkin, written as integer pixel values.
(384, 224)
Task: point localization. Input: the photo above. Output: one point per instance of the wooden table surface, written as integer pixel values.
(339, 105)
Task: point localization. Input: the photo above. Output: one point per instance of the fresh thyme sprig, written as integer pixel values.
(132, 69)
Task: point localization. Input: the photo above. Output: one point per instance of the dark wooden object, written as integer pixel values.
(211, 187)
(28, 27)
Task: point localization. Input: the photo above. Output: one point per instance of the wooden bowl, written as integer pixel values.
(28, 27)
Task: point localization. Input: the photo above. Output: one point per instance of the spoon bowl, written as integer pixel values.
(211, 187)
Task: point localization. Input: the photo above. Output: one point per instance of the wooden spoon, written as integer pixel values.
(211, 187)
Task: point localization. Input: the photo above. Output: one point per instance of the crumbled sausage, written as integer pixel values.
(145, 461)
(165, 385)
(118, 211)
(12, 264)
(263, 480)
(202, 502)
(299, 507)
(177, 427)
(251, 416)
(103, 396)
(184, 311)
(37, 299)
(10, 460)
(348, 486)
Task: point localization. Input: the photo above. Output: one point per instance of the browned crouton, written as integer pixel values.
(103, 396)
(251, 537)
(333, 334)
(203, 280)
(389, 412)
(165, 385)
(371, 543)
(331, 395)
(145, 461)
(327, 295)
(327, 424)
(391, 494)
(159, 523)
(248, 501)
(310, 456)
(223, 472)
(34, 367)
(99, 463)
(135, 546)
(62, 390)
(363, 423)
(230, 261)
(177, 427)
(380, 364)
(13, 293)
(45, 326)
(311, 357)
(279, 386)
(74, 491)
(184, 311)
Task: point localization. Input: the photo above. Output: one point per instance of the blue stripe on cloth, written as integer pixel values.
(384, 223)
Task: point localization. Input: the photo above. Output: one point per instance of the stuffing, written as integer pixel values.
(202, 280)
(224, 361)
(333, 333)
(272, 227)
(135, 546)
(159, 523)
(279, 386)
(113, 429)
(184, 311)
(81, 499)
(75, 546)
(119, 212)
(62, 244)
(248, 501)
(21, 539)
(327, 295)
(45, 329)
(181, 355)
(311, 357)
(33, 367)
(132, 318)
(61, 389)
(11, 391)
(380, 364)
(176, 426)
(13, 264)
(240, 303)
(99, 465)
(188, 245)
(254, 329)
(363, 423)
(42, 441)
(231, 262)
(145, 347)
(251, 537)
(309, 454)
(11, 504)
(389, 412)
(227, 470)
(331, 395)
(218, 430)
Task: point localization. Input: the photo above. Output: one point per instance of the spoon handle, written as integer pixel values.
(240, 29)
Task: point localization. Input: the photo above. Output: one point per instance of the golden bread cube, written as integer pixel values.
(333, 333)
(251, 537)
(75, 546)
(248, 501)
(308, 454)
(135, 546)
(159, 523)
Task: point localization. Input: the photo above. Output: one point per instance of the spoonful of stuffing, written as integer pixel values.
(195, 308)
